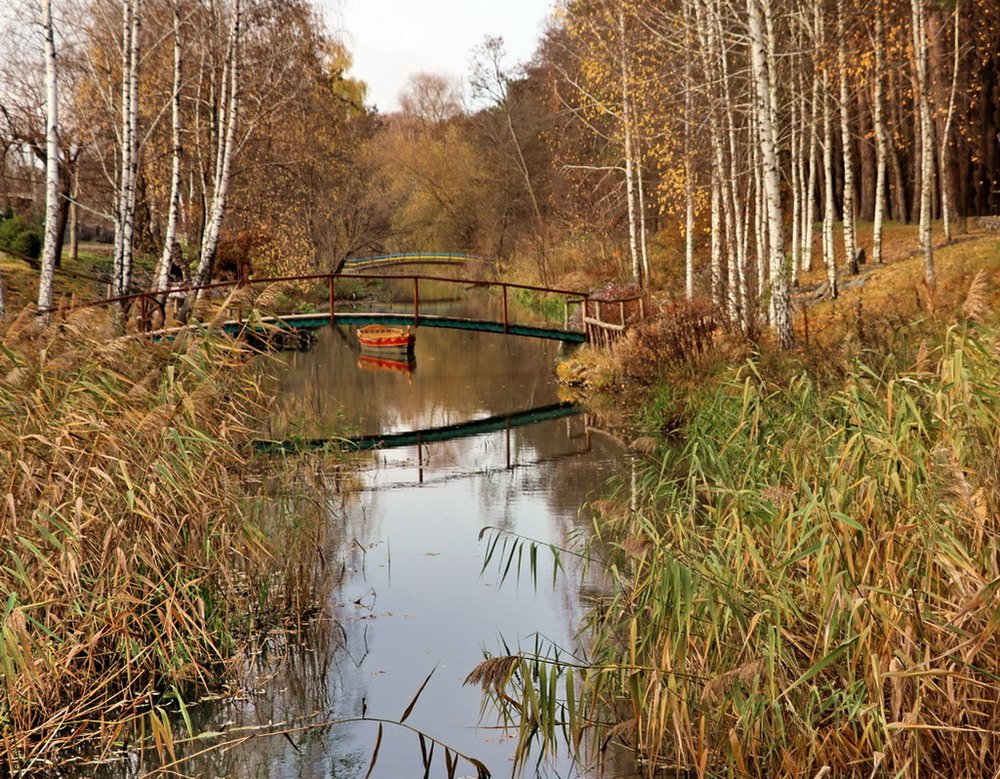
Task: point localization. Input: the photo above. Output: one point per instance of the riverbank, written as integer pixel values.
(805, 561)
(144, 549)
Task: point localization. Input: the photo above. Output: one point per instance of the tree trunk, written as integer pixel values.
(643, 232)
(809, 196)
(829, 217)
(169, 254)
(630, 193)
(51, 166)
(850, 239)
(74, 221)
(229, 109)
(763, 67)
(688, 167)
(926, 138)
(795, 132)
(688, 227)
(881, 143)
(722, 284)
(734, 209)
(947, 199)
(125, 221)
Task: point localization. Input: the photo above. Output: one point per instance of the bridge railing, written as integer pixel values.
(606, 320)
(148, 310)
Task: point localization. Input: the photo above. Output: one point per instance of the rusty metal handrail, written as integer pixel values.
(153, 295)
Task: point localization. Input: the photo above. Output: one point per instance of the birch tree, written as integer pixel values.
(763, 73)
(170, 248)
(946, 199)
(846, 143)
(722, 298)
(226, 145)
(632, 197)
(689, 182)
(51, 165)
(878, 123)
(121, 274)
(919, 31)
(829, 216)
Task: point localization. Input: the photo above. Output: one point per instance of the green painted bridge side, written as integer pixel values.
(314, 321)
(425, 436)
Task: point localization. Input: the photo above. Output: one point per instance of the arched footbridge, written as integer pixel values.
(365, 298)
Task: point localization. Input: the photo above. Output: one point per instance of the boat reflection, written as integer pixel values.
(399, 361)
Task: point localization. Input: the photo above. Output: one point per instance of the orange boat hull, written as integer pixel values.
(382, 337)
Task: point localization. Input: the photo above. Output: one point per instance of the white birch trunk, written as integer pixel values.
(226, 146)
(173, 208)
(946, 134)
(630, 194)
(763, 67)
(715, 249)
(125, 223)
(688, 167)
(759, 217)
(795, 139)
(737, 228)
(720, 295)
(809, 193)
(926, 138)
(74, 219)
(829, 260)
(850, 237)
(881, 140)
(641, 189)
(51, 165)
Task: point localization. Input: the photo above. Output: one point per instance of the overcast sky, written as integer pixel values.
(392, 39)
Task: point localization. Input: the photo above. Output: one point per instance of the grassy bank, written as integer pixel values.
(804, 570)
(142, 547)
(809, 579)
(804, 579)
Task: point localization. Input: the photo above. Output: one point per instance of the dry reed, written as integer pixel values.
(136, 562)
(808, 584)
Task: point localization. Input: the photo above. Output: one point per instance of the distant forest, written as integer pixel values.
(723, 148)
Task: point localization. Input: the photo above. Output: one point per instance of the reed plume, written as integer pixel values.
(136, 561)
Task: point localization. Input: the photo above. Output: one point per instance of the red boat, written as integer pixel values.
(383, 337)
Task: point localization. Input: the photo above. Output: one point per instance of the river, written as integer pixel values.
(412, 600)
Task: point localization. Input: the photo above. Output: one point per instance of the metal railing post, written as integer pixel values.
(329, 279)
(505, 309)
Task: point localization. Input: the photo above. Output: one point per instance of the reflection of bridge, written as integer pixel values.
(425, 436)
(147, 311)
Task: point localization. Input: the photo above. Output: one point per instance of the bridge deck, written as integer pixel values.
(313, 321)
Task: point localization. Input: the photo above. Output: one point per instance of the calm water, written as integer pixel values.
(412, 598)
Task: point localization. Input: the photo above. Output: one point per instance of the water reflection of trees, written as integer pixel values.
(463, 376)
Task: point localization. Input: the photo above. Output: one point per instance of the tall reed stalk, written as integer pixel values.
(805, 585)
(136, 561)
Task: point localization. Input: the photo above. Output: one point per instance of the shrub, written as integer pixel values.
(10, 227)
(17, 236)
(680, 334)
(28, 243)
